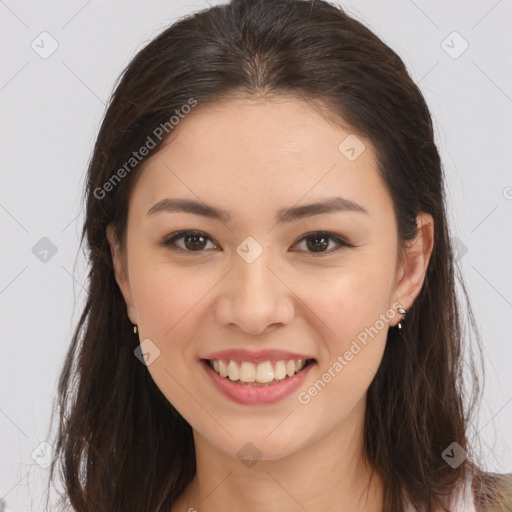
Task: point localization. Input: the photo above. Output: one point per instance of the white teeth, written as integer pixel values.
(280, 370)
(247, 372)
(233, 372)
(263, 372)
(223, 371)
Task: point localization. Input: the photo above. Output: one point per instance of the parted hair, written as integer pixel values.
(120, 445)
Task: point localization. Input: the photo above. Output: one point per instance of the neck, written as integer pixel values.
(329, 473)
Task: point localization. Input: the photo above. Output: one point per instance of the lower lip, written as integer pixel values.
(253, 395)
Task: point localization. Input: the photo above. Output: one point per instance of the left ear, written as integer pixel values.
(417, 256)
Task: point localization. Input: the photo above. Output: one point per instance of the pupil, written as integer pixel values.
(322, 245)
(194, 237)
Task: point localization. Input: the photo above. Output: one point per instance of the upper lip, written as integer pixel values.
(258, 356)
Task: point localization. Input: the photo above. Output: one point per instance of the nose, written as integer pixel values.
(254, 297)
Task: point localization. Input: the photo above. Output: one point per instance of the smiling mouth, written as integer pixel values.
(263, 374)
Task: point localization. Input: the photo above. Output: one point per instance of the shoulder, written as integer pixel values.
(492, 492)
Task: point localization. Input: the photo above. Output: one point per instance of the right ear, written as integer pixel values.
(120, 272)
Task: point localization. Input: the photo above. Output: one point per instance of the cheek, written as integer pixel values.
(167, 303)
(353, 299)
(355, 310)
(165, 296)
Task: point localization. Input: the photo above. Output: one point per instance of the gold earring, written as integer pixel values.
(134, 329)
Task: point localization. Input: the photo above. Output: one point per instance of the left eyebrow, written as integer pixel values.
(328, 205)
(286, 215)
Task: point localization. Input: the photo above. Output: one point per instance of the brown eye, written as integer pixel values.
(194, 241)
(318, 242)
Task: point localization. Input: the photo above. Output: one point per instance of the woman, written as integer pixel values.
(272, 322)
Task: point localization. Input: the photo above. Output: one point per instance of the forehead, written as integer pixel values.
(259, 127)
(261, 151)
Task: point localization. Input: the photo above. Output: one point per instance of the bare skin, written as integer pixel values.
(253, 158)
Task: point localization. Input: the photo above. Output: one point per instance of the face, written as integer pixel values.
(253, 282)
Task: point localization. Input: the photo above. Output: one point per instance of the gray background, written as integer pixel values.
(51, 109)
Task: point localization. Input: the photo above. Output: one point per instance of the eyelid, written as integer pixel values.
(341, 241)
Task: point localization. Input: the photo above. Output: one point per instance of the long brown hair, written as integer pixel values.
(120, 445)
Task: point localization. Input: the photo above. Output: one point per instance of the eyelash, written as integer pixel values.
(169, 241)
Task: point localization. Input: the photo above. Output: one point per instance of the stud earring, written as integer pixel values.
(134, 329)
